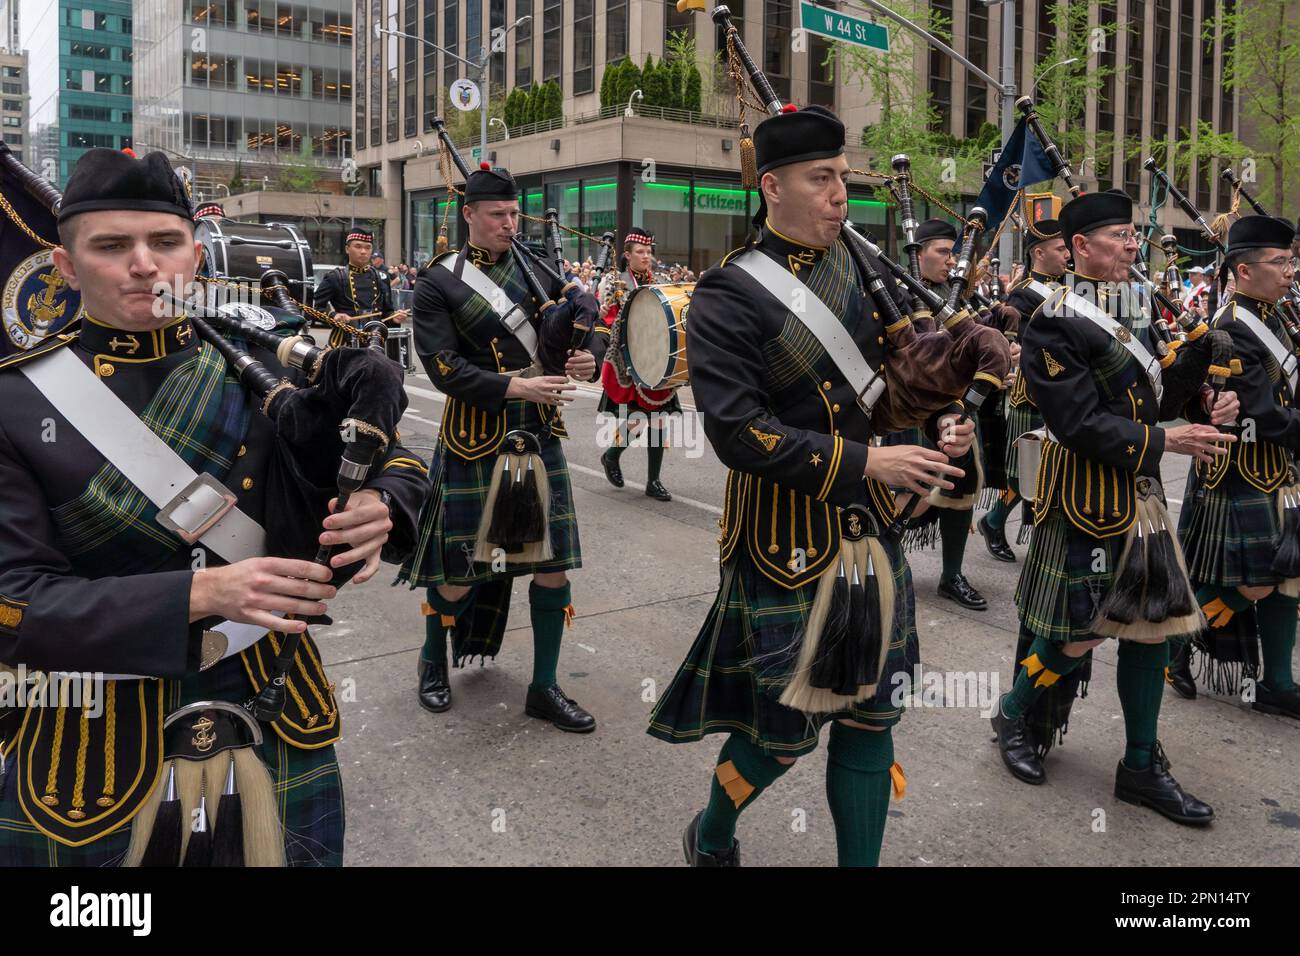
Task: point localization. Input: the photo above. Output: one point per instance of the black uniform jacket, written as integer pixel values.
(1266, 401)
(1100, 407)
(1025, 302)
(465, 347)
(57, 617)
(373, 292)
(777, 410)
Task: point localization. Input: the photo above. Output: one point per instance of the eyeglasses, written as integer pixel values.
(1281, 262)
(1126, 236)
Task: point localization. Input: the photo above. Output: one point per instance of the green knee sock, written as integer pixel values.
(1001, 510)
(546, 606)
(1046, 664)
(857, 789)
(954, 528)
(1140, 678)
(615, 452)
(742, 773)
(655, 452)
(444, 615)
(1277, 625)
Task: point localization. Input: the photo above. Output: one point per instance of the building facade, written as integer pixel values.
(81, 84)
(14, 102)
(243, 89)
(679, 174)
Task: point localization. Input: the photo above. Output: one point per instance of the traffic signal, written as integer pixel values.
(1040, 206)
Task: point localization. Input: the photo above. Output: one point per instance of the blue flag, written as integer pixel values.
(1023, 161)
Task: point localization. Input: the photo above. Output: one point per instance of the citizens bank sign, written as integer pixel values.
(718, 200)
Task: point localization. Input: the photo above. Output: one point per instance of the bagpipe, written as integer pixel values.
(1290, 304)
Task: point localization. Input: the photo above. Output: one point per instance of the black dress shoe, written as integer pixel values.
(551, 704)
(1179, 674)
(435, 689)
(1017, 752)
(1284, 702)
(961, 591)
(697, 857)
(1156, 788)
(995, 539)
(656, 490)
(612, 471)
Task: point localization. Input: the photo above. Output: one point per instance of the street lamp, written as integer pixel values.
(1034, 88)
(498, 45)
(504, 127)
(636, 95)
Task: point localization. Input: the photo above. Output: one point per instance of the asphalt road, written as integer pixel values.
(485, 784)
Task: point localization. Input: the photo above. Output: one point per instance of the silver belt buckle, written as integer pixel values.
(199, 506)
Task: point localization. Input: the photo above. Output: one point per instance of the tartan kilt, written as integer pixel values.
(1229, 533)
(1020, 419)
(453, 507)
(308, 789)
(726, 686)
(607, 406)
(1058, 593)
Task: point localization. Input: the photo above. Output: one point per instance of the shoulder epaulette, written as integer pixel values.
(727, 257)
(46, 346)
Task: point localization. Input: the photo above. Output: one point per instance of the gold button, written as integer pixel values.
(875, 315)
(826, 386)
(835, 433)
(247, 483)
(1139, 401)
(880, 340)
(105, 369)
(835, 407)
(243, 450)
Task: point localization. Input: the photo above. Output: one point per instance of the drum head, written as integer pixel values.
(648, 330)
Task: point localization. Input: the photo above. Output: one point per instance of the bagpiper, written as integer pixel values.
(357, 291)
(649, 404)
(499, 503)
(947, 518)
(1103, 560)
(164, 617)
(1240, 525)
(1046, 258)
(807, 498)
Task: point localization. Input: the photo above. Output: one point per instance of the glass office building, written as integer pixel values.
(84, 101)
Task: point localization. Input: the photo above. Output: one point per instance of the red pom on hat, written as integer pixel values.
(789, 108)
(485, 165)
(129, 151)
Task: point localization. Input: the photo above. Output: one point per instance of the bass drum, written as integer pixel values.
(652, 337)
(243, 252)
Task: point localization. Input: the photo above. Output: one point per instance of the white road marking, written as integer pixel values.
(418, 418)
(702, 505)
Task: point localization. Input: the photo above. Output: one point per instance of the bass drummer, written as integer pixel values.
(620, 401)
(357, 292)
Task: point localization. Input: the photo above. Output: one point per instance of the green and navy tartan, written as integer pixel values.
(1229, 533)
(739, 665)
(1020, 419)
(202, 413)
(308, 787)
(1059, 593)
(458, 491)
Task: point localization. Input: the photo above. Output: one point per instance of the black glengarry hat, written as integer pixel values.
(797, 136)
(1093, 210)
(1259, 232)
(108, 179)
(488, 183)
(1041, 231)
(936, 229)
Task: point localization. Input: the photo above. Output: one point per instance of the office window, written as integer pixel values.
(497, 20)
(289, 20)
(376, 73)
(552, 39)
(1133, 125)
(127, 25)
(977, 51)
(777, 21)
(89, 140)
(675, 21)
(18, 87)
(1227, 115)
(13, 104)
(450, 41)
(616, 29)
(216, 13)
(941, 74)
(524, 43)
(359, 54)
(473, 29)
(392, 89)
(1106, 99)
(14, 72)
(14, 139)
(1160, 75)
(91, 51)
(18, 120)
(410, 78)
(1186, 31)
(430, 60)
(218, 72)
(584, 45)
(1046, 28)
(126, 117)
